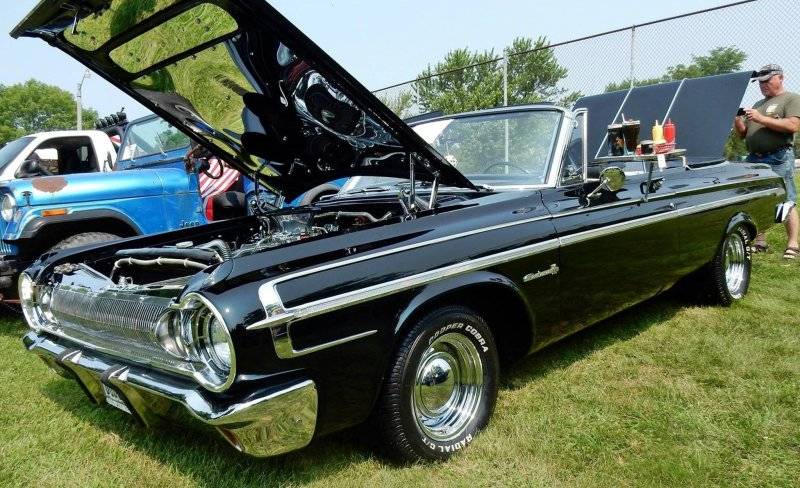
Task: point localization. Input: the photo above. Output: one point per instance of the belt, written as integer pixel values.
(770, 153)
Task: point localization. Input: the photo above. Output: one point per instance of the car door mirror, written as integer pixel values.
(30, 167)
(612, 179)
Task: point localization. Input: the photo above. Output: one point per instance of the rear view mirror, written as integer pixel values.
(612, 179)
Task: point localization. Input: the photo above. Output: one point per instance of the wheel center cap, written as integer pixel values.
(436, 382)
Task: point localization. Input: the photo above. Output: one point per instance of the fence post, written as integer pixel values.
(505, 97)
(505, 77)
(633, 53)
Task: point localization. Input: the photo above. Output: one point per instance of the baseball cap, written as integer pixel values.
(767, 71)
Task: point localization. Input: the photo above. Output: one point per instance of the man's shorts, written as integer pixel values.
(782, 163)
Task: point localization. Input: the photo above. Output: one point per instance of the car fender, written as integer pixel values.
(441, 289)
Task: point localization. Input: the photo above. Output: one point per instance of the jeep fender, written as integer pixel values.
(36, 225)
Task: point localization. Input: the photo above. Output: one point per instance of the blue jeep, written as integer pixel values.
(66, 189)
(71, 188)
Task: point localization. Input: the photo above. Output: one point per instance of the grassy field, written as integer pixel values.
(663, 394)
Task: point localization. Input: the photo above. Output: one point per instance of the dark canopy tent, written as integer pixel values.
(701, 108)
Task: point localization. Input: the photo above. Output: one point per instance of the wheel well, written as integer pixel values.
(51, 234)
(503, 310)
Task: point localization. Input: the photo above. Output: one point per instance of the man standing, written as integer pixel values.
(768, 129)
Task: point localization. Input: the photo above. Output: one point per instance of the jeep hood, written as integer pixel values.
(241, 80)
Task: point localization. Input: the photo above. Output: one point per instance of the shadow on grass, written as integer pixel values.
(202, 455)
(620, 327)
(210, 461)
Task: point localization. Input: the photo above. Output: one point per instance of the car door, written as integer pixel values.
(615, 248)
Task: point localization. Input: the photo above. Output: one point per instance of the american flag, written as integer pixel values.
(210, 186)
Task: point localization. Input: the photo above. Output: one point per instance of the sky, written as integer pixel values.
(380, 43)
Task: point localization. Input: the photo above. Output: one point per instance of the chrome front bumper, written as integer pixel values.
(265, 422)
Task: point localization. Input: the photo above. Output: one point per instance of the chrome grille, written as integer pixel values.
(5, 248)
(118, 323)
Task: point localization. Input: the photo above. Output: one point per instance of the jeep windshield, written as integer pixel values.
(12, 149)
(509, 148)
(150, 142)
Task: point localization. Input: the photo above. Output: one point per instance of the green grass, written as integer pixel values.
(663, 394)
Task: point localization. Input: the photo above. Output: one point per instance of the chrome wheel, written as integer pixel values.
(735, 264)
(448, 387)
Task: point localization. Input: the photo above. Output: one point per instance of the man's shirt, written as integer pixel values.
(760, 139)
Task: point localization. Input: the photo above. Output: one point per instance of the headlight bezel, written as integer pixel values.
(26, 289)
(8, 206)
(184, 332)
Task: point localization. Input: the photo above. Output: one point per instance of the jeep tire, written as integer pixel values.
(83, 239)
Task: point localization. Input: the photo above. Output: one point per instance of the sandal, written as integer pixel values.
(791, 253)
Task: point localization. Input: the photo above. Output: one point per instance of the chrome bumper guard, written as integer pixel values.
(266, 422)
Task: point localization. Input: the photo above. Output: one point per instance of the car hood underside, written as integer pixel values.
(240, 79)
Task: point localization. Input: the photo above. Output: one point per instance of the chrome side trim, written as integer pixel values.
(278, 314)
(281, 315)
(285, 349)
(650, 219)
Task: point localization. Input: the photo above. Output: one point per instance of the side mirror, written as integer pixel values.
(612, 179)
(30, 167)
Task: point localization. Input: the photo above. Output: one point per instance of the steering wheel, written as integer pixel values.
(507, 164)
(207, 170)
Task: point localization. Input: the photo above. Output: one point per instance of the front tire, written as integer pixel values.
(727, 276)
(441, 387)
(83, 239)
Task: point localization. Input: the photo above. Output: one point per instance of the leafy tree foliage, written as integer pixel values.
(34, 106)
(719, 60)
(532, 77)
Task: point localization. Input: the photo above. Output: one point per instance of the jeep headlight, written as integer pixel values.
(7, 207)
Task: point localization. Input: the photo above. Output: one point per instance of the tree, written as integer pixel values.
(401, 104)
(533, 76)
(719, 60)
(34, 106)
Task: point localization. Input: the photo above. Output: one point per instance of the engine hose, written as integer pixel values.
(222, 248)
(366, 215)
(185, 263)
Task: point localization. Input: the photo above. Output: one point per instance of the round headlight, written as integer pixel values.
(196, 331)
(26, 299)
(219, 344)
(7, 207)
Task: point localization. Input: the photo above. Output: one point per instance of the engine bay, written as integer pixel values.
(155, 269)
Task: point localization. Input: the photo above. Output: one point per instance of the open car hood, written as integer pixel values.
(241, 80)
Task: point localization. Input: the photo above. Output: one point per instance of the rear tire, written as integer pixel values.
(83, 239)
(727, 277)
(441, 387)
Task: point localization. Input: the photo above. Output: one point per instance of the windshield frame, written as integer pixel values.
(19, 149)
(561, 136)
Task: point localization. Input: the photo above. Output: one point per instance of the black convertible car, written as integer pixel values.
(465, 243)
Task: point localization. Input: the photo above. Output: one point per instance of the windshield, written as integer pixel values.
(155, 136)
(504, 149)
(11, 150)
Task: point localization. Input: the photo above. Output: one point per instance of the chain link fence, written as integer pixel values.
(752, 32)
